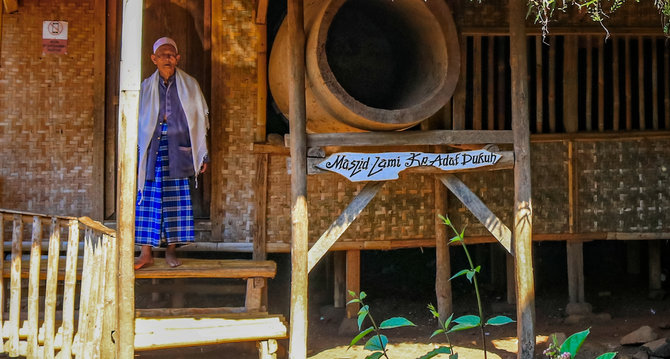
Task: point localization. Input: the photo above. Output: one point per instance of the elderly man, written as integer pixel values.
(172, 147)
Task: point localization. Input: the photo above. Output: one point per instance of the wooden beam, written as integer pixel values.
(523, 214)
(433, 137)
(218, 121)
(479, 209)
(261, 78)
(261, 11)
(539, 94)
(346, 218)
(353, 280)
(129, 99)
(339, 279)
(260, 187)
(298, 144)
(460, 91)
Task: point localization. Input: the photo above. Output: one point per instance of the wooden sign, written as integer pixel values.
(386, 166)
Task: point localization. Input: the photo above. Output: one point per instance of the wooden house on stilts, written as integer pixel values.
(291, 85)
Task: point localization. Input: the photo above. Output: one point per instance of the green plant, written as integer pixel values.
(468, 321)
(570, 347)
(378, 342)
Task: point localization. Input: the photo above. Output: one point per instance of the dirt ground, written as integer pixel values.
(401, 283)
(628, 312)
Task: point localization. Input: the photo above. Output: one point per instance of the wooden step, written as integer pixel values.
(174, 332)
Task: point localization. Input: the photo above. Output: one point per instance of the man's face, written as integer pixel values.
(166, 59)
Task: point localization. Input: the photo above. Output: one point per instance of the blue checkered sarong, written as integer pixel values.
(164, 208)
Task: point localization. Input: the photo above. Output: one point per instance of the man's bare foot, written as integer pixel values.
(171, 256)
(146, 258)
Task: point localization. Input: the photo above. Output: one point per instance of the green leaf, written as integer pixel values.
(353, 294)
(460, 327)
(499, 320)
(396, 322)
(360, 336)
(574, 342)
(468, 319)
(448, 321)
(377, 342)
(609, 355)
(453, 356)
(470, 275)
(439, 331)
(434, 352)
(362, 296)
(444, 219)
(462, 272)
(361, 316)
(354, 301)
(364, 309)
(455, 239)
(433, 311)
(375, 355)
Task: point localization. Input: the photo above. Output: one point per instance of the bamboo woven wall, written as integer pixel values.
(47, 111)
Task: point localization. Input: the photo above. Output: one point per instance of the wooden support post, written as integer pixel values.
(589, 85)
(442, 257)
(523, 215)
(654, 85)
(633, 257)
(12, 347)
(130, 71)
(339, 280)
(511, 279)
(551, 92)
(353, 280)
(640, 84)
(655, 285)
(460, 93)
(616, 93)
(628, 83)
(601, 88)
(539, 94)
(299, 222)
(98, 143)
(575, 254)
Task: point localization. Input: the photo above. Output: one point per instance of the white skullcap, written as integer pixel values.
(165, 41)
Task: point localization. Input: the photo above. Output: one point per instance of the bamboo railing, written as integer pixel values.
(49, 323)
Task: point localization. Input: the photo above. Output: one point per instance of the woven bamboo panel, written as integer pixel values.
(237, 110)
(46, 111)
(403, 209)
(623, 186)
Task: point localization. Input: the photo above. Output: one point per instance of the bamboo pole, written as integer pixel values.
(86, 288)
(666, 97)
(640, 84)
(551, 95)
(15, 295)
(108, 348)
(654, 84)
(522, 182)
(501, 101)
(460, 93)
(490, 92)
(570, 84)
(69, 286)
(616, 96)
(299, 222)
(628, 83)
(589, 84)
(539, 81)
(2, 264)
(131, 46)
(477, 103)
(34, 288)
(261, 81)
(51, 290)
(601, 88)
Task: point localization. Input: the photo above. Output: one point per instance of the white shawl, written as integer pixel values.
(195, 108)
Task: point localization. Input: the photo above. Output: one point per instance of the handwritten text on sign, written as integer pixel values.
(386, 166)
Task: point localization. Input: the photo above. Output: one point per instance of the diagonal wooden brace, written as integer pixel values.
(333, 233)
(498, 229)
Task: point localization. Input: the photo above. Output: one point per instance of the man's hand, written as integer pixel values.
(203, 168)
